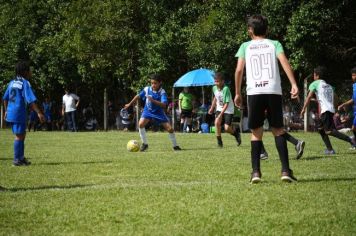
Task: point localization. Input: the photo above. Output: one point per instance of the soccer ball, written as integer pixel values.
(133, 146)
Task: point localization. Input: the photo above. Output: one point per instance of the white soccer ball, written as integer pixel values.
(133, 146)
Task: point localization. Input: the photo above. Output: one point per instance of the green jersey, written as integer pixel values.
(186, 101)
(222, 97)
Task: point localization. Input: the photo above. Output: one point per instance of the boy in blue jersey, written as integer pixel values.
(352, 101)
(264, 92)
(325, 95)
(47, 108)
(155, 99)
(17, 95)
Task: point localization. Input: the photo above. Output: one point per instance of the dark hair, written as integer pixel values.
(321, 72)
(156, 77)
(219, 75)
(353, 70)
(259, 24)
(22, 68)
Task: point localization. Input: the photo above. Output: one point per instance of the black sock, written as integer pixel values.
(354, 131)
(190, 128)
(181, 127)
(281, 144)
(263, 150)
(255, 155)
(341, 136)
(326, 139)
(290, 138)
(219, 139)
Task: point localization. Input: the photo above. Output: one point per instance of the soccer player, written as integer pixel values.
(264, 92)
(352, 101)
(186, 107)
(155, 102)
(325, 95)
(224, 105)
(17, 95)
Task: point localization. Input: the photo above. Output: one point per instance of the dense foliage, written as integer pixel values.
(116, 44)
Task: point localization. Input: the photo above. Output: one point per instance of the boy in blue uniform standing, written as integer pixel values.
(155, 102)
(18, 94)
(352, 101)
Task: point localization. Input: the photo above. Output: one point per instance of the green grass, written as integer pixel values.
(88, 184)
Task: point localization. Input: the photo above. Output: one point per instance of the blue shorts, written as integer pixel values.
(18, 128)
(159, 117)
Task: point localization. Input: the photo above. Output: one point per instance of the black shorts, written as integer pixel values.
(227, 118)
(186, 114)
(326, 121)
(264, 106)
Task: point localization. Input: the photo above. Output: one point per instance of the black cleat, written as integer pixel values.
(177, 148)
(264, 156)
(255, 177)
(23, 162)
(143, 147)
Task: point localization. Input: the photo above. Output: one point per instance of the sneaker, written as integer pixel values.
(220, 143)
(329, 152)
(264, 156)
(177, 148)
(287, 176)
(299, 148)
(255, 177)
(237, 136)
(23, 162)
(143, 147)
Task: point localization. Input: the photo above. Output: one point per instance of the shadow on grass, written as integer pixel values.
(70, 163)
(74, 186)
(311, 158)
(6, 159)
(336, 179)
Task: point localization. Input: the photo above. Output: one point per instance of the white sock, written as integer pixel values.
(143, 137)
(172, 137)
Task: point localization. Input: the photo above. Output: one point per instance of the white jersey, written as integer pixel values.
(324, 94)
(222, 97)
(69, 101)
(262, 70)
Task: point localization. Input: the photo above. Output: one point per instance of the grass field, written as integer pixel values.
(88, 184)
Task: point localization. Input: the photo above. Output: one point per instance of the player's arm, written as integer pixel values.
(349, 102)
(180, 103)
(5, 107)
(288, 69)
(77, 104)
(238, 80)
(212, 107)
(132, 101)
(307, 101)
(38, 111)
(161, 104)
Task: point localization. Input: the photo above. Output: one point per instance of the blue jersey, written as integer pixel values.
(159, 95)
(354, 96)
(47, 106)
(18, 94)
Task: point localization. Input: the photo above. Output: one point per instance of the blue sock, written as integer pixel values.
(22, 149)
(17, 150)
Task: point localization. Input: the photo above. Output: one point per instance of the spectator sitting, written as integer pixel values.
(127, 117)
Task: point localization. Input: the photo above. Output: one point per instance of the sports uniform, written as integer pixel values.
(18, 95)
(264, 92)
(152, 111)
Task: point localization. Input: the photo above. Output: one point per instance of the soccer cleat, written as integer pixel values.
(264, 156)
(143, 147)
(299, 148)
(23, 162)
(329, 152)
(287, 176)
(177, 148)
(237, 136)
(255, 177)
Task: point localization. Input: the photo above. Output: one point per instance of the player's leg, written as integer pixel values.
(171, 134)
(217, 123)
(264, 154)
(19, 130)
(275, 119)
(298, 144)
(229, 129)
(142, 131)
(256, 109)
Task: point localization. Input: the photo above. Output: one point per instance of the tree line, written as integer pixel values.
(116, 44)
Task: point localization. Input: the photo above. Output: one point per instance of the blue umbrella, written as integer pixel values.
(198, 77)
